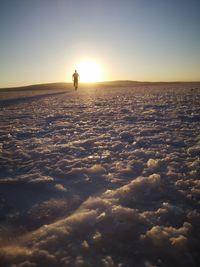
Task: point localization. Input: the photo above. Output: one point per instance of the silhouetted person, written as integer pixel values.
(75, 78)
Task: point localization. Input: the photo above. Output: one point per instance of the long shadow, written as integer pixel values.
(15, 101)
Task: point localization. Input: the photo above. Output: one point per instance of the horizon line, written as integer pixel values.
(99, 82)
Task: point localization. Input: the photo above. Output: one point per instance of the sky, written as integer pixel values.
(144, 40)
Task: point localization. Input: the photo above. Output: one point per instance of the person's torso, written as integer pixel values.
(75, 75)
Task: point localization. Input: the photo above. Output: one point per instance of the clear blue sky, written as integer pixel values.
(152, 40)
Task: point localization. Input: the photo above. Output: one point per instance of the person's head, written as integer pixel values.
(76, 71)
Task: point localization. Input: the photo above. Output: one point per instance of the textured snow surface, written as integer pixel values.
(101, 177)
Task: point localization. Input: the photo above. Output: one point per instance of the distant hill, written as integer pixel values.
(63, 86)
(45, 86)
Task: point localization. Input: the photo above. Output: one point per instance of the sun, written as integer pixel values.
(89, 71)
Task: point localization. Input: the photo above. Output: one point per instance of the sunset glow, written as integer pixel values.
(90, 71)
(45, 41)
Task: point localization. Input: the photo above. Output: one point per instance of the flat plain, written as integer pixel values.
(104, 176)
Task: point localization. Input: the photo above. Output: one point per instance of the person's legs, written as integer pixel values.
(75, 84)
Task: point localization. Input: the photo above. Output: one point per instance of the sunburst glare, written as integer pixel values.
(90, 71)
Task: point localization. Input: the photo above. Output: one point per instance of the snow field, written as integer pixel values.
(101, 177)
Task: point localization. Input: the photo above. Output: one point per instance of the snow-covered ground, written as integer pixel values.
(104, 177)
